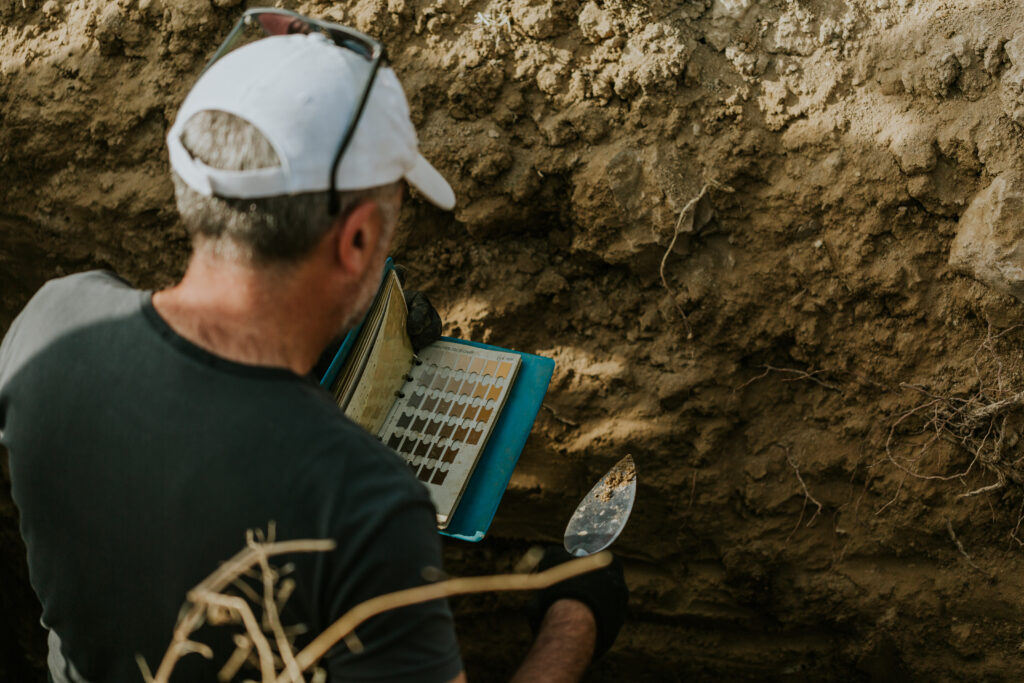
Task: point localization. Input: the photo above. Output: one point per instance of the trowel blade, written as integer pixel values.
(602, 514)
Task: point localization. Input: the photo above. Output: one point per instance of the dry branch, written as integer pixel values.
(462, 586)
(209, 594)
(275, 655)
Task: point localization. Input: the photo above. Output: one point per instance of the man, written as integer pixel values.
(147, 433)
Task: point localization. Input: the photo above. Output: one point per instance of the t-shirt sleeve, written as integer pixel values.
(7, 353)
(5, 349)
(48, 312)
(416, 643)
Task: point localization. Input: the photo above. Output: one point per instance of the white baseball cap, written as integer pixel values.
(299, 91)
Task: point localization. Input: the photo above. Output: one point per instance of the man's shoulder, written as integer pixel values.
(88, 279)
(63, 305)
(82, 295)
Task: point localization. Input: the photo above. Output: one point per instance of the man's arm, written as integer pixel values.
(564, 645)
(563, 648)
(576, 622)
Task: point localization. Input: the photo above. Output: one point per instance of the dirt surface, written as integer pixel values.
(729, 222)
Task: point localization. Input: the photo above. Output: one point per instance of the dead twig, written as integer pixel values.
(462, 586)
(207, 598)
(270, 613)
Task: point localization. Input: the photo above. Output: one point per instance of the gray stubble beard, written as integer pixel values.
(364, 298)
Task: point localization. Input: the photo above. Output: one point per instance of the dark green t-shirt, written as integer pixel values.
(139, 460)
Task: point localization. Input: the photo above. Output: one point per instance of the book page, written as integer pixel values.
(445, 415)
(386, 365)
(352, 370)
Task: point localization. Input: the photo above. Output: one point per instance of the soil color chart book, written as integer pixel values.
(444, 415)
(437, 410)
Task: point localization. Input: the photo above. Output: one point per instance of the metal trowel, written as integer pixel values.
(602, 514)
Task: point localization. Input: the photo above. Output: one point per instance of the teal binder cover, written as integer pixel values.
(486, 486)
(479, 502)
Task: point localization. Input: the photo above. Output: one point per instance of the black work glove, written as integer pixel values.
(604, 591)
(423, 324)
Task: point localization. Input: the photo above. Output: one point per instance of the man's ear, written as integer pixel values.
(359, 238)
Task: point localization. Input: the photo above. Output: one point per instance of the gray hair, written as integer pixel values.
(266, 230)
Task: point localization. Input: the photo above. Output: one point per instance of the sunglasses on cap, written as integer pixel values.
(260, 22)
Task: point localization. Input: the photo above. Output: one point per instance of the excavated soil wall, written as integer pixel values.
(729, 222)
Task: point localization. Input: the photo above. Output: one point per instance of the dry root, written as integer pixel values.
(791, 375)
(808, 497)
(684, 214)
(981, 429)
(984, 425)
(960, 547)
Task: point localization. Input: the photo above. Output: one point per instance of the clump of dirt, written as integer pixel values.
(728, 221)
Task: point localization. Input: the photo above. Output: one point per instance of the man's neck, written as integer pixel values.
(252, 315)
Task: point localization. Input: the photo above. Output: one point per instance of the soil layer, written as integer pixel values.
(729, 222)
